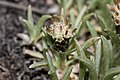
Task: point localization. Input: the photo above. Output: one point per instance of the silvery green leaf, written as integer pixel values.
(41, 21)
(34, 53)
(67, 73)
(86, 63)
(82, 71)
(79, 18)
(88, 16)
(80, 4)
(80, 51)
(98, 54)
(93, 4)
(38, 64)
(30, 18)
(110, 52)
(72, 18)
(81, 54)
(24, 37)
(40, 25)
(107, 52)
(59, 1)
(30, 29)
(111, 73)
(91, 67)
(68, 3)
(69, 62)
(89, 42)
(114, 37)
(44, 43)
(91, 29)
(79, 28)
(102, 22)
(52, 71)
(117, 77)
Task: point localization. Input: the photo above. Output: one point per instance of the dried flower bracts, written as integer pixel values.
(115, 10)
(60, 29)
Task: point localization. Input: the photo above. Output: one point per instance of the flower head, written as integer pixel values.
(115, 10)
(61, 31)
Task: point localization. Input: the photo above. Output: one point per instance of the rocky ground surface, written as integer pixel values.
(13, 63)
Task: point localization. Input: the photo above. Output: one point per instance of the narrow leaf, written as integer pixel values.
(80, 51)
(93, 4)
(110, 53)
(30, 29)
(52, 68)
(40, 25)
(38, 64)
(91, 28)
(41, 21)
(88, 16)
(117, 77)
(98, 54)
(59, 2)
(79, 18)
(72, 18)
(82, 71)
(91, 67)
(30, 18)
(79, 28)
(80, 4)
(89, 42)
(111, 73)
(68, 4)
(102, 22)
(114, 37)
(86, 62)
(106, 53)
(44, 44)
(81, 54)
(34, 53)
(67, 73)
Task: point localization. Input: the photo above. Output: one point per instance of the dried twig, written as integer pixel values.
(4, 69)
(22, 7)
